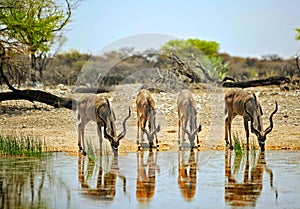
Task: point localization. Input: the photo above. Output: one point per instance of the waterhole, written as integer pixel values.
(146, 179)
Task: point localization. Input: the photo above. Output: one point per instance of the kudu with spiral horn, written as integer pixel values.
(240, 102)
(94, 108)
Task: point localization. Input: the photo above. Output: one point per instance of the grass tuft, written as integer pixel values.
(90, 151)
(20, 146)
(238, 146)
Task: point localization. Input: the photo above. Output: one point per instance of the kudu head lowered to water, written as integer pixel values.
(115, 140)
(262, 134)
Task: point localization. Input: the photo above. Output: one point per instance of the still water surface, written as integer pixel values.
(205, 179)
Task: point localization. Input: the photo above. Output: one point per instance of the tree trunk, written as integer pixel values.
(275, 80)
(39, 96)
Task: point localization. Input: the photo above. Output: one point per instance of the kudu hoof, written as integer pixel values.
(229, 146)
(81, 151)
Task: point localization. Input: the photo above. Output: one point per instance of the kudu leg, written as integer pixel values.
(144, 126)
(198, 143)
(179, 129)
(138, 129)
(246, 126)
(183, 133)
(150, 130)
(79, 136)
(100, 138)
(228, 132)
(156, 140)
(81, 127)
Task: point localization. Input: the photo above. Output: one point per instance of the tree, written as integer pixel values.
(209, 48)
(298, 33)
(34, 26)
(31, 27)
(197, 51)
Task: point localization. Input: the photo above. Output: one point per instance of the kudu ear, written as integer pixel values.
(149, 134)
(197, 130)
(111, 110)
(269, 129)
(186, 131)
(146, 132)
(252, 120)
(194, 133)
(258, 105)
(107, 135)
(157, 129)
(122, 135)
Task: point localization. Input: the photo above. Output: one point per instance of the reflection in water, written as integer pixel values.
(187, 174)
(63, 181)
(18, 181)
(146, 173)
(102, 187)
(247, 191)
(26, 182)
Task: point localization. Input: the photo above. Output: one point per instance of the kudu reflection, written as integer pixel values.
(103, 187)
(246, 192)
(187, 174)
(146, 176)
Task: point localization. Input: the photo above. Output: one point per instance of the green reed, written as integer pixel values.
(20, 146)
(238, 144)
(90, 151)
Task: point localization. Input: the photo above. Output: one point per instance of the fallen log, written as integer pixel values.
(274, 80)
(39, 96)
(94, 90)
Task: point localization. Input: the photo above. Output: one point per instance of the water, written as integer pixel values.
(205, 179)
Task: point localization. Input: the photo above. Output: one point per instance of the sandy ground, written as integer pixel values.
(58, 127)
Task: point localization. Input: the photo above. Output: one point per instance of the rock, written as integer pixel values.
(61, 87)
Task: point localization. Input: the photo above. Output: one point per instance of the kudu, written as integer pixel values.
(145, 108)
(94, 108)
(240, 102)
(187, 113)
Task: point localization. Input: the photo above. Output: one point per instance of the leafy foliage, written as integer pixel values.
(298, 33)
(33, 27)
(195, 50)
(32, 23)
(209, 48)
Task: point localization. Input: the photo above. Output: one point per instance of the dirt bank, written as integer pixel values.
(58, 127)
